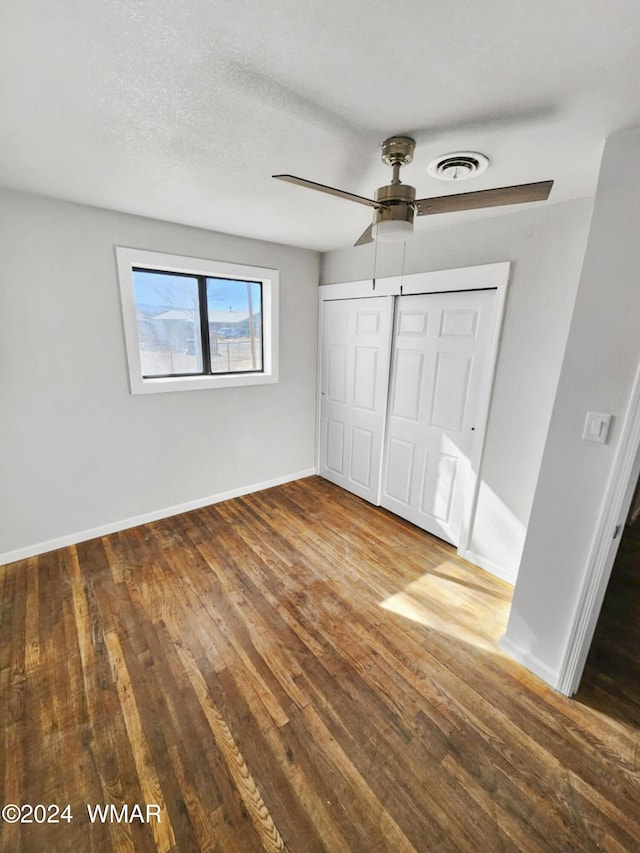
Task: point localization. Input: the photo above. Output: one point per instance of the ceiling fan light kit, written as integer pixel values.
(395, 204)
(392, 230)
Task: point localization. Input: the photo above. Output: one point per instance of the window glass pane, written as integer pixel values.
(235, 325)
(168, 316)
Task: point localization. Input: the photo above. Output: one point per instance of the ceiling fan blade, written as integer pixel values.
(365, 237)
(312, 185)
(518, 194)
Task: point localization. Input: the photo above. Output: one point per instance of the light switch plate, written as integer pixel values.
(596, 427)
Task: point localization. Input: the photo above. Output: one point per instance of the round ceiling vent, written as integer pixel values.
(458, 166)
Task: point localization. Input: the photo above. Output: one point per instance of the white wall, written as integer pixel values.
(602, 356)
(77, 451)
(546, 245)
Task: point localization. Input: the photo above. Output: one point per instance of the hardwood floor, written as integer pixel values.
(292, 670)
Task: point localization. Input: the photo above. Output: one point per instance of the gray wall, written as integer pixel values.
(601, 360)
(546, 245)
(77, 451)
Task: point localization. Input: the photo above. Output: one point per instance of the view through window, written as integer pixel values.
(190, 325)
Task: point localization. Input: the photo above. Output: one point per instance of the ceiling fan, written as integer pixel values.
(395, 204)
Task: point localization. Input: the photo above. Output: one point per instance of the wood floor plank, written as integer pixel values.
(211, 778)
(13, 709)
(107, 749)
(394, 764)
(149, 783)
(296, 670)
(235, 704)
(260, 817)
(382, 830)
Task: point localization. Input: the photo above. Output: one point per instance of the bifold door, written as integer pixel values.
(399, 410)
(438, 376)
(356, 337)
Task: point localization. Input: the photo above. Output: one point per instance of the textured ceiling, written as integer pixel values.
(183, 109)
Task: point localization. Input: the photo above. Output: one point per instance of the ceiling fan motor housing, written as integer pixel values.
(397, 203)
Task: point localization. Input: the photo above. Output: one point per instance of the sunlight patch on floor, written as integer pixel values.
(463, 606)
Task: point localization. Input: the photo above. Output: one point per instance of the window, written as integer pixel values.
(192, 323)
(197, 325)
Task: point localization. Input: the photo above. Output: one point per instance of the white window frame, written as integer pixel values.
(127, 259)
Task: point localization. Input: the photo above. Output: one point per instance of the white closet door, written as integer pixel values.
(438, 376)
(354, 383)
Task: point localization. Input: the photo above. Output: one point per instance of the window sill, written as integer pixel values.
(200, 383)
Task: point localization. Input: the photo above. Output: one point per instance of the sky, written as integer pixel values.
(177, 291)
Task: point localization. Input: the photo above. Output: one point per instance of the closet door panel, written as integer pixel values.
(439, 353)
(356, 339)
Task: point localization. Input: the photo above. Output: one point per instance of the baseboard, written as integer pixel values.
(136, 521)
(530, 662)
(489, 566)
